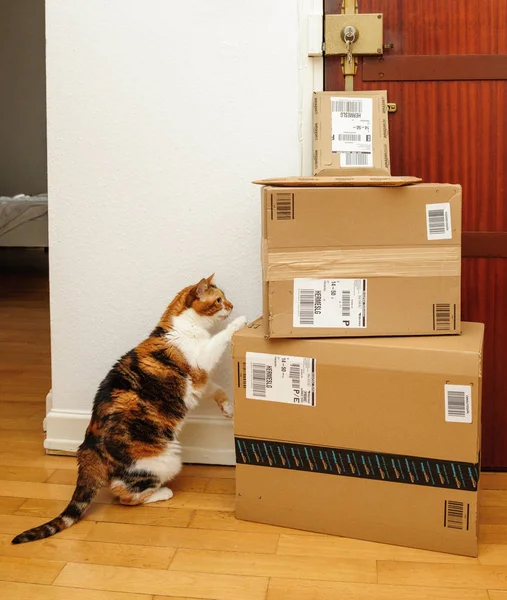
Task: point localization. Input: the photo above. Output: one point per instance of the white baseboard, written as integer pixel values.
(205, 440)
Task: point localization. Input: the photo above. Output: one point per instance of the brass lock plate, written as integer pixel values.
(369, 38)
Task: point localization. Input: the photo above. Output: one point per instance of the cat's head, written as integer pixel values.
(208, 301)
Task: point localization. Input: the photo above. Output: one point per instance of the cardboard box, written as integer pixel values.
(361, 261)
(351, 133)
(371, 438)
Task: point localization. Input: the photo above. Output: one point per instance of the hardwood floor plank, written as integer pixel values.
(439, 575)
(24, 489)
(8, 506)
(30, 591)
(14, 524)
(35, 457)
(143, 515)
(493, 481)
(120, 555)
(194, 585)
(493, 498)
(29, 570)
(275, 565)
(322, 545)
(179, 537)
(221, 486)
(492, 554)
(209, 471)
(493, 515)
(25, 410)
(203, 501)
(226, 521)
(30, 474)
(493, 534)
(19, 424)
(296, 589)
(115, 513)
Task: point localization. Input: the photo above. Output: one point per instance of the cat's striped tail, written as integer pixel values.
(81, 499)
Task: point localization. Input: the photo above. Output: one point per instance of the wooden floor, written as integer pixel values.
(190, 546)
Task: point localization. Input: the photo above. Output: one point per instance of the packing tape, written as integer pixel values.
(436, 261)
(411, 470)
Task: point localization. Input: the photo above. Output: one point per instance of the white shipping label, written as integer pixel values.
(289, 379)
(458, 403)
(438, 221)
(352, 131)
(339, 303)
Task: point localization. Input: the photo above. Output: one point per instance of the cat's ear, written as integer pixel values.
(210, 279)
(201, 288)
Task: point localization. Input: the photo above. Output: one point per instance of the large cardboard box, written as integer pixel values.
(370, 438)
(351, 133)
(361, 261)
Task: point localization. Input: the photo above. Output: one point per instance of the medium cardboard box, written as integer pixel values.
(351, 133)
(361, 261)
(370, 438)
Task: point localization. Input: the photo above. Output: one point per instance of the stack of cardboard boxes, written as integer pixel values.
(358, 394)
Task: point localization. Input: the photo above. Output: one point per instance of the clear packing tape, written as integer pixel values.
(423, 261)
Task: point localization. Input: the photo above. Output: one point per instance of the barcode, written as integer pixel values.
(436, 221)
(295, 376)
(244, 375)
(442, 317)
(346, 303)
(259, 380)
(349, 137)
(454, 514)
(284, 204)
(353, 106)
(456, 404)
(356, 159)
(306, 307)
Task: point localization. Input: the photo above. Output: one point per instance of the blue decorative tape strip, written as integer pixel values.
(413, 470)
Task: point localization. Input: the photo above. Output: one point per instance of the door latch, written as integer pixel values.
(363, 31)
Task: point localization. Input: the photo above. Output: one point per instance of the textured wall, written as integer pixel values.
(22, 98)
(160, 114)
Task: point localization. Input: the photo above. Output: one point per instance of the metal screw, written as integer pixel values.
(379, 50)
(381, 75)
(379, 16)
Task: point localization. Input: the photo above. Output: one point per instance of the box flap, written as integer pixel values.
(350, 181)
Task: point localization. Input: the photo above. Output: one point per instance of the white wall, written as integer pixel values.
(22, 98)
(160, 114)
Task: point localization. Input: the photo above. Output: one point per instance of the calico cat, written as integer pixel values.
(131, 442)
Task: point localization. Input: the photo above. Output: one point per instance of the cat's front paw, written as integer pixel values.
(237, 324)
(227, 410)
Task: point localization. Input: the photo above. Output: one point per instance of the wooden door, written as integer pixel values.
(447, 73)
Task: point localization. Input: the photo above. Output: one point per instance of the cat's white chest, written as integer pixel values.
(190, 339)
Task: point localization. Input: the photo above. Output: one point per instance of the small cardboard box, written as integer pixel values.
(370, 438)
(351, 133)
(361, 261)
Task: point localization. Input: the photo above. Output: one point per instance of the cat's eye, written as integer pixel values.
(219, 300)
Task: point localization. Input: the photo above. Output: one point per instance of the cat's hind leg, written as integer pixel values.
(145, 478)
(135, 487)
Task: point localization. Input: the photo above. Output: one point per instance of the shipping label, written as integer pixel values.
(339, 303)
(352, 131)
(289, 379)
